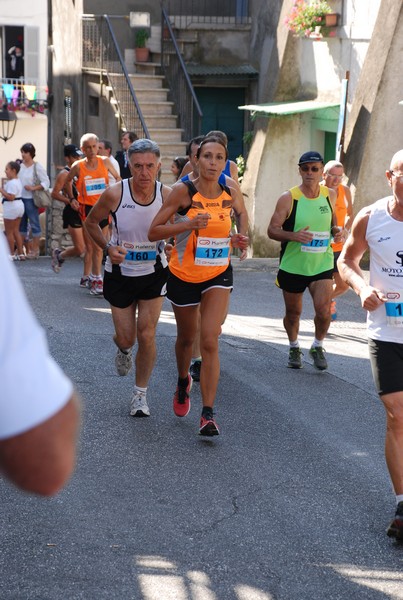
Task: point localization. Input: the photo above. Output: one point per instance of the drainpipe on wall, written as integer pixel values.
(49, 49)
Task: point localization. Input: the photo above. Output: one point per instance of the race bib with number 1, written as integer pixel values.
(212, 252)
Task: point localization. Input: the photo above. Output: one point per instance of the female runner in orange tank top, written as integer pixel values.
(201, 273)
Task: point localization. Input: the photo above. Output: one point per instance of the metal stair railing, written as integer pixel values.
(181, 88)
(102, 53)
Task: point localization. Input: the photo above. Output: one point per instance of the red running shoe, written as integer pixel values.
(182, 399)
(208, 426)
(395, 529)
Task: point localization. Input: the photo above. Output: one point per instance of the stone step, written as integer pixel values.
(156, 108)
(151, 95)
(165, 135)
(147, 81)
(150, 68)
(167, 158)
(148, 84)
(161, 121)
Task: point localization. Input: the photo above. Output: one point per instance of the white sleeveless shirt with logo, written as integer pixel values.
(130, 224)
(385, 240)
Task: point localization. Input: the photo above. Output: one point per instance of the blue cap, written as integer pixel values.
(72, 150)
(309, 157)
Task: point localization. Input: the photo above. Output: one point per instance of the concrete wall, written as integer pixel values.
(374, 131)
(218, 46)
(299, 69)
(105, 124)
(121, 8)
(64, 75)
(124, 7)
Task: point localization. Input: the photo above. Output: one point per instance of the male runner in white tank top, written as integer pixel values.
(136, 269)
(379, 228)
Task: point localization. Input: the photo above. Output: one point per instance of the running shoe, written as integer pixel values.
(318, 356)
(84, 282)
(182, 400)
(395, 529)
(97, 288)
(57, 262)
(123, 362)
(208, 426)
(333, 310)
(294, 358)
(139, 406)
(195, 370)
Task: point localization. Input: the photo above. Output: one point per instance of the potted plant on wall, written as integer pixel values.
(142, 53)
(311, 18)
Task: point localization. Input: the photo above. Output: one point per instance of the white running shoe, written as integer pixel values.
(123, 362)
(139, 406)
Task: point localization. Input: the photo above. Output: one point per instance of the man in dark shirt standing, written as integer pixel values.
(128, 137)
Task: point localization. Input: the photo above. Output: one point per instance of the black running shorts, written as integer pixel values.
(387, 365)
(85, 211)
(71, 218)
(336, 256)
(297, 284)
(184, 293)
(121, 291)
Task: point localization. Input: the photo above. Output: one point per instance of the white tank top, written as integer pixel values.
(385, 240)
(130, 224)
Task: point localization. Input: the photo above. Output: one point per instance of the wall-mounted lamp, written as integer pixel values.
(8, 122)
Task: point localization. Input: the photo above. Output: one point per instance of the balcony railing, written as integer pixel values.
(23, 95)
(187, 13)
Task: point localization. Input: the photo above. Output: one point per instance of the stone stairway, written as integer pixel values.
(158, 113)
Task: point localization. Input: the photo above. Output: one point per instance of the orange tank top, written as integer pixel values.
(203, 254)
(340, 210)
(91, 182)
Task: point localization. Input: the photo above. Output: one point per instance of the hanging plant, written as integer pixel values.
(306, 17)
(29, 106)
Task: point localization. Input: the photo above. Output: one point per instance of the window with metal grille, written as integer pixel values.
(67, 117)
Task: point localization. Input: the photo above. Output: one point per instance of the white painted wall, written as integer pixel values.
(28, 13)
(32, 13)
(28, 129)
(322, 66)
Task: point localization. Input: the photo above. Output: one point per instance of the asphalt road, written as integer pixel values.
(291, 502)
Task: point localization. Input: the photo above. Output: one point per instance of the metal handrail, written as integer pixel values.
(102, 53)
(181, 88)
(208, 13)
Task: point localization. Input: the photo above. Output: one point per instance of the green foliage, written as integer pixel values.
(241, 164)
(248, 137)
(306, 15)
(141, 38)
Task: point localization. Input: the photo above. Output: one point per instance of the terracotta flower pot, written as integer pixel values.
(142, 54)
(331, 20)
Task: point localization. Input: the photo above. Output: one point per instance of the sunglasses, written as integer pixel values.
(305, 169)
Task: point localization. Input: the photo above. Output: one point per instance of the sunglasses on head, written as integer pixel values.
(305, 168)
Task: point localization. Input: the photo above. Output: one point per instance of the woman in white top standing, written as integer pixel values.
(13, 209)
(26, 176)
